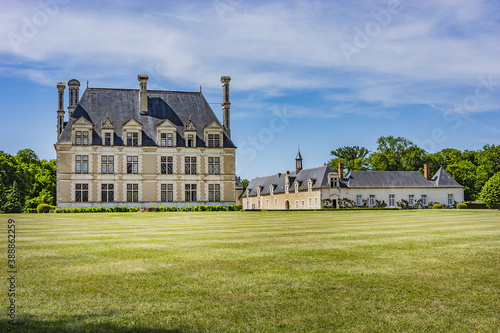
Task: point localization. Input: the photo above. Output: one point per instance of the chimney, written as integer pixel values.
(427, 172)
(341, 170)
(74, 95)
(143, 93)
(225, 105)
(60, 109)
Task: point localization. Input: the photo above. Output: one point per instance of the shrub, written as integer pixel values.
(43, 208)
(380, 204)
(490, 194)
(76, 210)
(132, 209)
(187, 209)
(462, 206)
(437, 206)
(57, 210)
(403, 204)
(66, 210)
(31, 210)
(100, 209)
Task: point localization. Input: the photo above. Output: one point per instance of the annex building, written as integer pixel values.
(140, 147)
(320, 187)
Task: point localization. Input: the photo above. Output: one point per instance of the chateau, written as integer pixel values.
(321, 187)
(140, 147)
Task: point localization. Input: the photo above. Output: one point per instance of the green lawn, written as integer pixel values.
(349, 271)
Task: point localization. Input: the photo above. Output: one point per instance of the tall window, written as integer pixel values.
(132, 192)
(316, 202)
(167, 165)
(163, 139)
(411, 199)
(214, 140)
(190, 141)
(107, 164)
(167, 140)
(296, 204)
(81, 192)
(372, 200)
(190, 165)
(359, 201)
(424, 199)
(310, 203)
(391, 200)
(213, 192)
(132, 139)
(450, 199)
(275, 203)
(132, 164)
(303, 204)
(214, 165)
(267, 203)
(107, 139)
(82, 164)
(190, 192)
(82, 138)
(167, 192)
(107, 192)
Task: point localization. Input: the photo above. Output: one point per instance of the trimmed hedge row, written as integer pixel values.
(118, 209)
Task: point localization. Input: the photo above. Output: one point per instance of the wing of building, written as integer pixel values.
(321, 187)
(140, 147)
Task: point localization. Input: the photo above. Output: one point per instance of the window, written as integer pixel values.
(214, 165)
(359, 201)
(132, 192)
(132, 139)
(275, 203)
(309, 186)
(213, 140)
(310, 203)
(190, 192)
(303, 204)
(258, 204)
(132, 164)
(372, 200)
(82, 164)
(271, 189)
(107, 192)
(423, 198)
(258, 191)
(163, 140)
(450, 200)
(190, 141)
(286, 189)
(170, 140)
(315, 202)
(167, 192)
(213, 192)
(296, 187)
(267, 203)
(391, 200)
(411, 199)
(167, 165)
(334, 182)
(296, 204)
(190, 165)
(107, 164)
(81, 192)
(82, 138)
(107, 139)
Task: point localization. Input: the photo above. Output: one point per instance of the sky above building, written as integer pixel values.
(319, 74)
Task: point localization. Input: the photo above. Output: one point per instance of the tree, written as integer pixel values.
(26, 156)
(490, 194)
(353, 158)
(397, 154)
(13, 200)
(245, 182)
(464, 172)
(3, 197)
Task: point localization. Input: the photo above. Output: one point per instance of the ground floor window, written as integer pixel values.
(167, 192)
(132, 193)
(81, 192)
(372, 200)
(424, 200)
(275, 203)
(450, 199)
(213, 192)
(310, 203)
(391, 200)
(303, 204)
(359, 202)
(411, 199)
(107, 192)
(296, 204)
(267, 203)
(315, 202)
(190, 191)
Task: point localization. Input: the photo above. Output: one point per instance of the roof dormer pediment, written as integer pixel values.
(214, 125)
(82, 121)
(166, 124)
(107, 124)
(132, 123)
(190, 125)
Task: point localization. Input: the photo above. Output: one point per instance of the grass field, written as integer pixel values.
(349, 271)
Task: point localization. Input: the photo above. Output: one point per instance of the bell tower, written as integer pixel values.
(60, 109)
(298, 163)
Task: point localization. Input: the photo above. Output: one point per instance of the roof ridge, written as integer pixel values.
(149, 91)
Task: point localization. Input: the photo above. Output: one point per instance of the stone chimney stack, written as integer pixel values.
(341, 171)
(74, 95)
(427, 171)
(143, 93)
(60, 109)
(225, 105)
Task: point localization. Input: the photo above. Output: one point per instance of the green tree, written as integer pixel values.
(490, 194)
(353, 158)
(464, 172)
(13, 200)
(245, 182)
(3, 197)
(397, 154)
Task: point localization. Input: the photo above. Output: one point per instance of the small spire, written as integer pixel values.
(87, 83)
(200, 88)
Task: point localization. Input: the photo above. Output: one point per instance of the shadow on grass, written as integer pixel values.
(77, 324)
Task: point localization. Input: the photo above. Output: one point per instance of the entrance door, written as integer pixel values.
(287, 204)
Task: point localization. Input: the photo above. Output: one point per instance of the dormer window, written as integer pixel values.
(107, 133)
(82, 138)
(213, 140)
(309, 185)
(107, 139)
(271, 189)
(132, 139)
(258, 191)
(287, 188)
(132, 133)
(296, 187)
(333, 179)
(190, 140)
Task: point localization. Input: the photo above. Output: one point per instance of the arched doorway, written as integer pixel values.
(287, 204)
(335, 200)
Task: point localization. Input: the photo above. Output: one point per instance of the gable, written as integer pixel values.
(132, 123)
(214, 125)
(166, 124)
(82, 121)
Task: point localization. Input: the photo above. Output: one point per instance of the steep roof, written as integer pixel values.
(377, 179)
(121, 105)
(443, 178)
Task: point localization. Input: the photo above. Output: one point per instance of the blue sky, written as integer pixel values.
(319, 74)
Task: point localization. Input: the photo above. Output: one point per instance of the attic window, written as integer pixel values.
(82, 138)
(132, 139)
(334, 182)
(271, 189)
(107, 139)
(190, 141)
(309, 185)
(296, 186)
(214, 140)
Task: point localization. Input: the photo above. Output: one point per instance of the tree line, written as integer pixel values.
(471, 168)
(26, 181)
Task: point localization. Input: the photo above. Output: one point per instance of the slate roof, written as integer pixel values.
(121, 105)
(355, 179)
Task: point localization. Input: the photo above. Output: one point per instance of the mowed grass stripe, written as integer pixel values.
(352, 271)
